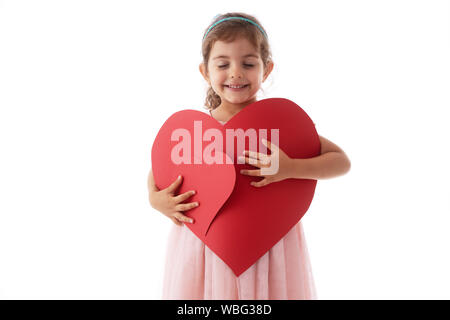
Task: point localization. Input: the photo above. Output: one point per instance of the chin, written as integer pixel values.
(237, 101)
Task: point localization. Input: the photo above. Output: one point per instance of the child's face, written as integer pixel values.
(229, 65)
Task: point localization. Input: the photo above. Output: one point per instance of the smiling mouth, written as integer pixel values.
(236, 88)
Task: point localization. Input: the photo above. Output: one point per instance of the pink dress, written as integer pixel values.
(193, 271)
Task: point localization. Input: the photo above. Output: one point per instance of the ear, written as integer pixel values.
(202, 69)
(268, 70)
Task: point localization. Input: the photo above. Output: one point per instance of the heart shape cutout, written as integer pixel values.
(237, 221)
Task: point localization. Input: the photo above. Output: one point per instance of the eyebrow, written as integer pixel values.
(248, 55)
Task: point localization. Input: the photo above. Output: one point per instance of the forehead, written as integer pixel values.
(236, 49)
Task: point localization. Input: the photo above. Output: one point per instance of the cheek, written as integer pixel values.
(256, 75)
(218, 78)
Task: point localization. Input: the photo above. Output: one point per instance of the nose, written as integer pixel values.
(236, 72)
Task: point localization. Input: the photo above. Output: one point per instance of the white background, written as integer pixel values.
(86, 85)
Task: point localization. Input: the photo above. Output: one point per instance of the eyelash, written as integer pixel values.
(245, 64)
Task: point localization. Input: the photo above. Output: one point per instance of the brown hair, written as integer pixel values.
(228, 31)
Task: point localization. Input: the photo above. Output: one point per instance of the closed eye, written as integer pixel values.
(245, 64)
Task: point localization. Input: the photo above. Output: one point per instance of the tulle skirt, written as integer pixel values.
(193, 271)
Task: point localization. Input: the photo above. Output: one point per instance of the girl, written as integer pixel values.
(236, 60)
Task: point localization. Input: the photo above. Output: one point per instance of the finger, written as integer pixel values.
(182, 218)
(261, 183)
(178, 223)
(256, 155)
(186, 206)
(254, 173)
(184, 196)
(269, 145)
(174, 184)
(256, 163)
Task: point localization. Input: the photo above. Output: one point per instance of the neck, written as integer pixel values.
(225, 111)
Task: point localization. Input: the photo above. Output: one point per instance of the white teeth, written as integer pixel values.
(236, 87)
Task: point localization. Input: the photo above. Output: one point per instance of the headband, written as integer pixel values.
(240, 18)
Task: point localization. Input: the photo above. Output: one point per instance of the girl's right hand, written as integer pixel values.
(166, 202)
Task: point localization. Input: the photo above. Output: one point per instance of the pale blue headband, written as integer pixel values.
(240, 18)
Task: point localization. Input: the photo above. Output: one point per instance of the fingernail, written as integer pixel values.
(193, 192)
(190, 221)
(196, 204)
(179, 177)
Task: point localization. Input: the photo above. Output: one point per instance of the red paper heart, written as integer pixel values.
(237, 221)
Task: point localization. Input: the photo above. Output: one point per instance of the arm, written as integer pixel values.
(151, 186)
(332, 162)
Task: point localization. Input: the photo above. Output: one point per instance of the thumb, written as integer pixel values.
(270, 145)
(175, 184)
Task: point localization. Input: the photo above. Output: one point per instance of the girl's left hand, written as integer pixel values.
(261, 160)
